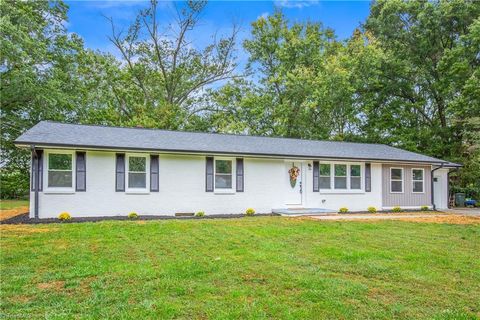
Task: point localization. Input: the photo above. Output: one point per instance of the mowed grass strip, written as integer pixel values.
(13, 204)
(12, 208)
(251, 268)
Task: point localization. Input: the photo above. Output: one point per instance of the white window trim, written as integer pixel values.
(423, 180)
(403, 180)
(45, 172)
(145, 190)
(234, 174)
(332, 189)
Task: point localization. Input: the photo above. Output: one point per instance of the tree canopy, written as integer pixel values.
(408, 77)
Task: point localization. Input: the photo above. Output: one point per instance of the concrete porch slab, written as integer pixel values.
(292, 212)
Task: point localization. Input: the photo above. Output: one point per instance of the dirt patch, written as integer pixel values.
(24, 229)
(20, 299)
(451, 219)
(10, 213)
(447, 219)
(413, 213)
(52, 285)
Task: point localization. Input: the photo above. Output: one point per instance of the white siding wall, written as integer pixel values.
(182, 189)
(440, 188)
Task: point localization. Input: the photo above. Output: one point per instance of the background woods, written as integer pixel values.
(409, 77)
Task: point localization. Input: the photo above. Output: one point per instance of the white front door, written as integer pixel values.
(293, 187)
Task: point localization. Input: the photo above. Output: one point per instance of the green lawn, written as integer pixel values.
(12, 204)
(251, 268)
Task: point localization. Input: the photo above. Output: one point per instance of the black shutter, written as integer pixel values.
(81, 172)
(209, 175)
(37, 164)
(120, 172)
(154, 173)
(240, 180)
(316, 176)
(368, 177)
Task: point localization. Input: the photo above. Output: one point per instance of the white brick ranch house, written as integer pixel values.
(108, 171)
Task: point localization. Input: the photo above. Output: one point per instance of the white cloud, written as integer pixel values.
(263, 15)
(299, 4)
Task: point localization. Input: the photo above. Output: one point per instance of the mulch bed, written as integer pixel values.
(25, 219)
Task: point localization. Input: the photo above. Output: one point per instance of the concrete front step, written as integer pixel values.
(304, 211)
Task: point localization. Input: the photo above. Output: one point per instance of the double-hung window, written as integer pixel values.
(137, 172)
(60, 170)
(325, 175)
(417, 180)
(223, 174)
(340, 180)
(396, 180)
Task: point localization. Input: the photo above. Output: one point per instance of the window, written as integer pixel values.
(137, 172)
(355, 177)
(340, 176)
(396, 180)
(325, 176)
(340, 180)
(223, 174)
(417, 180)
(60, 170)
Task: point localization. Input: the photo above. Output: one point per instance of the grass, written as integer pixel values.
(250, 268)
(12, 204)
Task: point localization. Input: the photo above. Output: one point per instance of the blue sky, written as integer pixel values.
(86, 18)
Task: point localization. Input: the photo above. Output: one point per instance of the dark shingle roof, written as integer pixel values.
(48, 133)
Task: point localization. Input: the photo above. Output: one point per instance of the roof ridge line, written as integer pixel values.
(216, 133)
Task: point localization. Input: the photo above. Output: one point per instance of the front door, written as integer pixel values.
(293, 182)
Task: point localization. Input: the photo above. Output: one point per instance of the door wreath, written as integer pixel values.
(294, 172)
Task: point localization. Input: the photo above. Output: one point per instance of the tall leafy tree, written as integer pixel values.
(423, 94)
(300, 85)
(37, 60)
(165, 71)
(46, 74)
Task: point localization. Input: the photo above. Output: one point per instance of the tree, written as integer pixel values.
(46, 74)
(36, 66)
(423, 94)
(301, 86)
(165, 71)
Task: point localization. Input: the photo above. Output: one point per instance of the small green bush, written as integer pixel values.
(200, 214)
(424, 208)
(397, 209)
(372, 209)
(250, 212)
(132, 216)
(64, 216)
(343, 210)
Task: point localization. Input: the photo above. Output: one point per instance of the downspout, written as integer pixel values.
(36, 167)
(431, 188)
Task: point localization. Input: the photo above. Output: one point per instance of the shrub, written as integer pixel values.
(250, 212)
(397, 209)
(343, 210)
(64, 216)
(372, 209)
(424, 208)
(132, 216)
(200, 214)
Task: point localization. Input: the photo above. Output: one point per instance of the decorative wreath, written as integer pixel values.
(294, 172)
